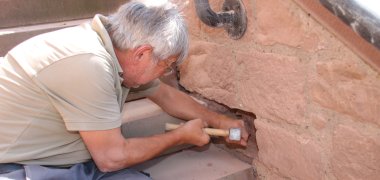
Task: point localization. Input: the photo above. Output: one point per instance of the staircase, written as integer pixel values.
(22, 19)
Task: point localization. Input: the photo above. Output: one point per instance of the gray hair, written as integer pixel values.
(161, 26)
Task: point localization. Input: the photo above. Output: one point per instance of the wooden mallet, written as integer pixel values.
(233, 134)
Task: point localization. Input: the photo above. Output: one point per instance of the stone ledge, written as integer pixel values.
(206, 163)
(10, 37)
(143, 118)
(28, 12)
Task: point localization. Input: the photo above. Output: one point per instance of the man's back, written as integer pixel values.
(32, 130)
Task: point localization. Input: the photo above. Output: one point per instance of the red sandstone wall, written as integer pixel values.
(317, 103)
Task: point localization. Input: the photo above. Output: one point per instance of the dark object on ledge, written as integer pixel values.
(233, 17)
(364, 23)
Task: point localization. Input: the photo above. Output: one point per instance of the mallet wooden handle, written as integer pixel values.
(209, 131)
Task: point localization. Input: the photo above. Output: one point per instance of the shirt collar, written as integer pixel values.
(98, 25)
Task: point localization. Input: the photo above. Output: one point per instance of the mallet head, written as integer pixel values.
(235, 134)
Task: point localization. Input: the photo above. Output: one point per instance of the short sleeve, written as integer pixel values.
(82, 89)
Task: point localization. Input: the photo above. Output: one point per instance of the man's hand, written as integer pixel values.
(227, 123)
(192, 132)
(181, 105)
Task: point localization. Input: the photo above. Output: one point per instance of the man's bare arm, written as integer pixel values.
(182, 106)
(111, 151)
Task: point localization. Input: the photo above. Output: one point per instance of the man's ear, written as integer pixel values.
(143, 52)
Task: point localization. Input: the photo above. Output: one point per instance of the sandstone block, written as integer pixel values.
(280, 21)
(187, 8)
(269, 85)
(356, 153)
(318, 121)
(263, 173)
(294, 156)
(343, 86)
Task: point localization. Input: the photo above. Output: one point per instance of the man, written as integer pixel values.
(61, 96)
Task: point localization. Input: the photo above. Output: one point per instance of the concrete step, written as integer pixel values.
(27, 12)
(142, 118)
(10, 37)
(206, 163)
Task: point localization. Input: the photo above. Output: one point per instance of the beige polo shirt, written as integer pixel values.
(54, 85)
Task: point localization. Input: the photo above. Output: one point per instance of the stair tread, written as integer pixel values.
(10, 37)
(197, 163)
(63, 24)
(27, 12)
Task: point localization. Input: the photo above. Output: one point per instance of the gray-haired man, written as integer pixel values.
(61, 96)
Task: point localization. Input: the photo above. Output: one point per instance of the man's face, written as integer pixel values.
(140, 67)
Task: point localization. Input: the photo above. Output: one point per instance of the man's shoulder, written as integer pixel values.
(41, 51)
(63, 42)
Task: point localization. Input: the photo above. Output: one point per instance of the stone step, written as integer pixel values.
(10, 37)
(27, 12)
(143, 118)
(206, 163)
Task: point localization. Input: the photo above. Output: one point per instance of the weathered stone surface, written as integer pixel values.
(280, 21)
(318, 121)
(269, 85)
(187, 8)
(295, 156)
(325, 81)
(356, 153)
(263, 173)
(343, 86)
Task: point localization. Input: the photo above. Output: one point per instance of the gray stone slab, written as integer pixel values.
(207, 163)
(27, 12)
(142, 118)
(10, 37)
